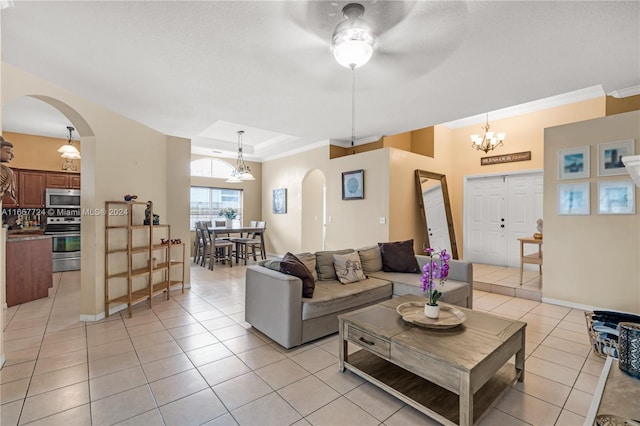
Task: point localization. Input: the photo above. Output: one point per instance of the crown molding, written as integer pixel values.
(626, 92)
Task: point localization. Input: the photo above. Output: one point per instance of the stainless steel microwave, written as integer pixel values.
(62, 198)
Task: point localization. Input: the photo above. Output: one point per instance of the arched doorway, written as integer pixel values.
(313, 211)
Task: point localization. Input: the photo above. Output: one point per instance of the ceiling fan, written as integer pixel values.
(411, 37)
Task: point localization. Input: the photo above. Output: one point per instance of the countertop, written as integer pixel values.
(25, 236)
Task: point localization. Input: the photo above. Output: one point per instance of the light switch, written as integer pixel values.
(330, 219)
(383, 220)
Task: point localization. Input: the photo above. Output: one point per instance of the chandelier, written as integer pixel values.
(489, 141)
(68, 151)
(353, 38)
(241, 171)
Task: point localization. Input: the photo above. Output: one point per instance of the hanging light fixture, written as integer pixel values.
(353, 39)
(241, 172)
(68, 150)
(489, 141)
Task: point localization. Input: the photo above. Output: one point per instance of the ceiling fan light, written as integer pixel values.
(353, 53)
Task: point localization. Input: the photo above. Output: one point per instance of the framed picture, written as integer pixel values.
(616, 197)
(353, 185)
(573, 199)
(573, 163)
(610, 157)
(279, 201)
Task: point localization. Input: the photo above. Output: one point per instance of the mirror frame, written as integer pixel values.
(419, 176)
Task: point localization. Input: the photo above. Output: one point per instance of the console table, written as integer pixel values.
(535, 258)
(453, 376)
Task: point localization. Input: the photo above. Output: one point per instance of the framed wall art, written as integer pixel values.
(573, 163)
(279, 201)
(573, 199)
(353, 185)
(616, 197)
(610, 157)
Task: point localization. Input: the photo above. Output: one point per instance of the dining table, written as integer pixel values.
(218, 231)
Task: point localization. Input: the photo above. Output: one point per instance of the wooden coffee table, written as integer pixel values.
(453, 376)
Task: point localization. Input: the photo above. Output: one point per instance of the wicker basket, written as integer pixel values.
(602, 346)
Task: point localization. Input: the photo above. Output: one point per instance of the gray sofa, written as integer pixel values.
(274, 304)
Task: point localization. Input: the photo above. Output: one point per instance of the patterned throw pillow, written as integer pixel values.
(348, 268)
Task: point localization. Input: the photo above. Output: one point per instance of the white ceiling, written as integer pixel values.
(205, 69)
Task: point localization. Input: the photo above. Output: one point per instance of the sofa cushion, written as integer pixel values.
(398, 257)
(452, 292)
(309, 260)
(371, 259)
(291, 265)
(324, 263)
(331, 296)
(348, 268)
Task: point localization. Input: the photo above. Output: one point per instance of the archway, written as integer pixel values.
(313, 211)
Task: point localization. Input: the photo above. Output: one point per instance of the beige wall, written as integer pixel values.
(119, 156)
(284, 230)
(591, 260)
(38, 152)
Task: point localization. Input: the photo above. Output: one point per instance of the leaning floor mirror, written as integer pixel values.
(435, 212)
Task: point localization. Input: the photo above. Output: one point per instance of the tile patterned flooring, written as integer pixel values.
(506, 280)
(193, 360)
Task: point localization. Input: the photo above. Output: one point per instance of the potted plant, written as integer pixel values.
(229, 214)
(434, 272)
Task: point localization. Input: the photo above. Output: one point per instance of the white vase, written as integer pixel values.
(431, 311)
(229, 223)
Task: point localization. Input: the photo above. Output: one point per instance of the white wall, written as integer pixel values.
(591, 260)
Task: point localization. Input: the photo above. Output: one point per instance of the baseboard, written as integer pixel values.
(568, 304)
(101, 315)
(4, 306)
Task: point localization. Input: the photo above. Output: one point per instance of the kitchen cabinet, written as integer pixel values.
(28, 268)
(31, 189)
(141, 261)
(30, 186)
(63, 180)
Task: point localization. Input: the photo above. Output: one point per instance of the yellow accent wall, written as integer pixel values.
(38, 152)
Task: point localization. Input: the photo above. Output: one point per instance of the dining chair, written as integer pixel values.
(220, 249)
(197, 245)
(246, 247)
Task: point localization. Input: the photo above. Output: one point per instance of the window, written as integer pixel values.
(211, 167)
(206, 203)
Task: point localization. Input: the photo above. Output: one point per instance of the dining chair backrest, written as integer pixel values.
(206, 223)
(261, 224)
(252, 224)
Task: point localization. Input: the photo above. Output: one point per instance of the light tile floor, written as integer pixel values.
(506, 280)
(193, 360)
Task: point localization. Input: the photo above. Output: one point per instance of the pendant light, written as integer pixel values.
(68, 150)
(241, 172)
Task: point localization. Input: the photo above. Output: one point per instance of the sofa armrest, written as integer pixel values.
(459, 270)
(273, 305)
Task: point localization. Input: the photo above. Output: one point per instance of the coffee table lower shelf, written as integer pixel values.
(429, 398)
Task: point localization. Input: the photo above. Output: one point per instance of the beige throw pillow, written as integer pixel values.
(309, 260)
(371, 259)
(348, 268)
(324, 262)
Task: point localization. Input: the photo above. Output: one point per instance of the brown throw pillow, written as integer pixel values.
(399, 257)
(291, 265)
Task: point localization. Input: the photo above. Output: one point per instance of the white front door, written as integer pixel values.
(485, 229)
(498, 211)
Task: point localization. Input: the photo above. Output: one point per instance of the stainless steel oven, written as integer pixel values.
(65, 236)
